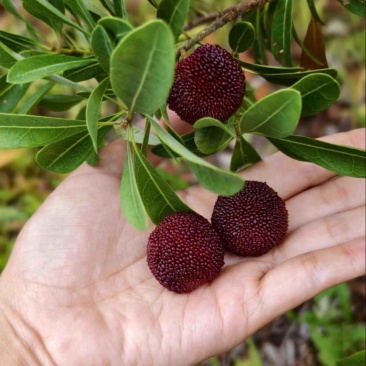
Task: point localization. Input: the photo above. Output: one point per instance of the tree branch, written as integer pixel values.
(228, 16)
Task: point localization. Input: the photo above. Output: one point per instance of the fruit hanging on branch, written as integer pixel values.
(208, 83)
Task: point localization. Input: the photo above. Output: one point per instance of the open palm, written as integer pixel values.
(78, 290)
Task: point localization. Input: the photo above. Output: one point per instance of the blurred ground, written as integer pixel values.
(318, 332)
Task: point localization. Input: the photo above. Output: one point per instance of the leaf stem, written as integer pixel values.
(228, 16)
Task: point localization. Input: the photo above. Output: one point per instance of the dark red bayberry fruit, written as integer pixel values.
(184, 252)
(208, 83)
(251, 222)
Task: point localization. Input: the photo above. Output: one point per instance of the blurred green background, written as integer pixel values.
(319, 332)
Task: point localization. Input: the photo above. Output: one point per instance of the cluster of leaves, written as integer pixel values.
(132, 68)
(331, 323)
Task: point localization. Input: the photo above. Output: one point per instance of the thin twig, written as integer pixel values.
(228, 16)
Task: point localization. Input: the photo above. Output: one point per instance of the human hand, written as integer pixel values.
(77, 289)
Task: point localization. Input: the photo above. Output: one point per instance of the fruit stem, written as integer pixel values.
(228, 16)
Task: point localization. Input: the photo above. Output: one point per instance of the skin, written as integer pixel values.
(77, 289)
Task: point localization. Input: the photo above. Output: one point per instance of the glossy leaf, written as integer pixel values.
(83, 73)
(268, 70)
(355, 6)
(38, 67)
(244, 155)
(120, 9)
(259, 47)
(275, 115)
(16, 42)
(131, 202)
(215, 179)
(188, 141)
(211, 139)
(142, 67)
(93, 110)
(158, 197)
(356, 359)
(281, 32)
(78, 9)
(318, 92)
(241, 37)
(102, 46)
(66, 155)
(10, 99)
(59, 102)
(342, 160)
(51, 15)
(314, 12)
(116, 28)
(19, 131)
(4, 86)
(313, 47)
(6, 60)
(35, 98)
(212, 122)
(174, 12)
(289, 79)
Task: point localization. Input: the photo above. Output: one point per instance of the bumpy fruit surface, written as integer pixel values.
(251, 222)
(184, 252)
(208, 83)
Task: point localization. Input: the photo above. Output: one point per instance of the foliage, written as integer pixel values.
(331, 326)
(102, 58)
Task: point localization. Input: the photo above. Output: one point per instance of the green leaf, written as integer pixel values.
(215, 179)
(68, 154)
(120, 9)
(212, 122)
(102, 46)
(318, 92)
(356, 359)
(84, 72)
(6, 60)
(59, 102)
(131, 202)
(342, 160)
(139, 135)
(188, 141)
(211, 139)
(78, 9)
(38, 67)
(355, 6)
(268, 70)
(16, 42)
(50, 14)
(20, 131)
(153, 3)
(142, 67)
(93, 110)
(241, 37)
(244, 155)
(275, 115)
(158, 198)
(289, 79)
(174, 12)
(116, 28)
(314, 12)
(281, 32)
(10, 99)
(12, 9)
(35, 98)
